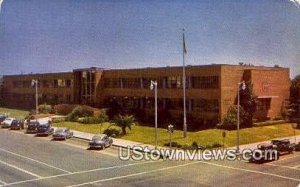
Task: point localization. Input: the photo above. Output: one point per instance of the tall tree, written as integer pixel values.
(248, 102)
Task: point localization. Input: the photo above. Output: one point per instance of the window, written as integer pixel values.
(205, 82)
(61, 83)
(205, 105)
(17, 84)
(26, 84)
(68, 83)
(112, 83)
(174, 82)
(131, 83)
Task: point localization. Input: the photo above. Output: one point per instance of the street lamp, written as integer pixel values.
(153, 85)
(241, 85)
(35, 82)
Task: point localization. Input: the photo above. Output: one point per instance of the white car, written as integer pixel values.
(7, 122)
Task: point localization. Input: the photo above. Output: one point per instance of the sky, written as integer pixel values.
(38, 36)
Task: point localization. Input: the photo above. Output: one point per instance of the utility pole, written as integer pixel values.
(183, 84)
(242, 86)
(154, 85)
(35, 82)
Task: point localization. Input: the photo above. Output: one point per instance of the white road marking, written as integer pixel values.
(295, 168)
(286, 158)
(172, 167)
(20, 169)
(2, 182)
(4, 150)
(134, 174)
(80, 172)
(100, 152)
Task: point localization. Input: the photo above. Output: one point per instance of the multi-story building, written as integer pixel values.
(210, 90)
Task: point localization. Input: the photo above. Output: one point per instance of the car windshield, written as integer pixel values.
(59, 130)
(9, 119)
(43, 126)
(98, 137)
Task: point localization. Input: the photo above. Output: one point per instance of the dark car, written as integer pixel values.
(297, 146)
(62, 134)
(2, 118)
(17, 124)
(44, 129)
(32, 126)
(7, 122)
(100, 141)
(283, 146)
(265, 152)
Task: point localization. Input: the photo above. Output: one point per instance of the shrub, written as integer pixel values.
(230, 120)
(173, 144)
(45, 109)
(72, 117)
(114, 132)
(63, 109)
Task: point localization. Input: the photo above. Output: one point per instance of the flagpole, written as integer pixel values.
(183, 85)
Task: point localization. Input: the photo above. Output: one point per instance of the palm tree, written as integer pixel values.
(124, 122)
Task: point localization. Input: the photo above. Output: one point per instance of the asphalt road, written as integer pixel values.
(26, 160)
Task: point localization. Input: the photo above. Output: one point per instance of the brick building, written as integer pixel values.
(211, 90)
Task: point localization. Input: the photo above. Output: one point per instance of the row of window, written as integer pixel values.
(200, 105)
(44, 83)
(203, 82)
(44, 98)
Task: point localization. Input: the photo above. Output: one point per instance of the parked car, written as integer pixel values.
(17, 124)
(265, 152)
(100, 141)
(32, 126)
(283, 146)
(2, 118)
(7, 122)
(62, 134)
(44, 129)
(297, 146)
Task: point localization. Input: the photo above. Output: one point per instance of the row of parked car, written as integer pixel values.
(281, 147)
(44, 128)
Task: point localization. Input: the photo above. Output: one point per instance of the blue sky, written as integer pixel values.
(60, 35)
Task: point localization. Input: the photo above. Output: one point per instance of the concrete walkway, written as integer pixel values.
(148, 148)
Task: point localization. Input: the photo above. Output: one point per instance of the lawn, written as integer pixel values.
(20, 114)
(209, 137)
(205, 137)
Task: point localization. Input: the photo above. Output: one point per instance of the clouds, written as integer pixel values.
(296, 3)
(1, 1)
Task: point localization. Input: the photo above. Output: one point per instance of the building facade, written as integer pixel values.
(210, 90)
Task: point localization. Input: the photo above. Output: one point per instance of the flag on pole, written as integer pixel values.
(184, 47)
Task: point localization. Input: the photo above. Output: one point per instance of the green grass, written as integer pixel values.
(209, 137)
(20, 114)
(205, 137)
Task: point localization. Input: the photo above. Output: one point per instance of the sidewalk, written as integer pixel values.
(150, 148)
(254, 145)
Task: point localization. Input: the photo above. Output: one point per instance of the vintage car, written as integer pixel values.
(17, 124)
(62, 134)
(283, 146)
(297, 147)
(32, 126)
(100, 141)
(44, 129)
(7, 122)
(265, 152)
(2, 118)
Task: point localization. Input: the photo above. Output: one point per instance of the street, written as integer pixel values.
(26, 160)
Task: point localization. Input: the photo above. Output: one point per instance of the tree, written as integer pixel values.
(230, 120)
(248, 102)
(293, 110)
(124, 122)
